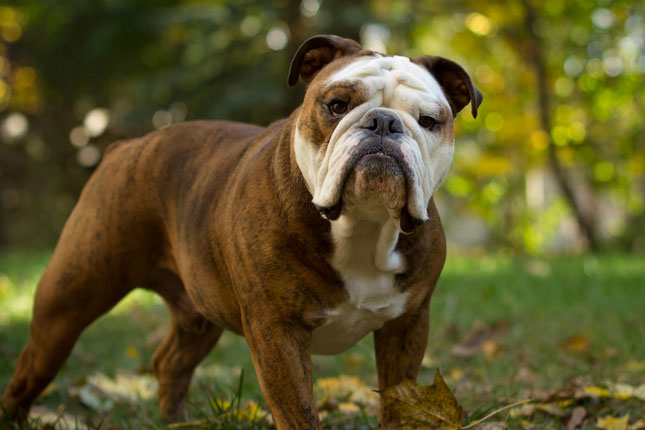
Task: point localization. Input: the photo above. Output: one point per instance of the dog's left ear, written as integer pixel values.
(315, 53)
(454, 81)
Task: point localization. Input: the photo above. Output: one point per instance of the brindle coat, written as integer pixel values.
(216, 218)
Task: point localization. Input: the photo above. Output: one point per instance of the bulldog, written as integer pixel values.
(303, 236)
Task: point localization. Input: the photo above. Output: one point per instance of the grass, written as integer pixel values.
(502, 329)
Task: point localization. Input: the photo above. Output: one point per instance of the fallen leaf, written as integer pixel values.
(576, 343)
(494, 425)
(551, 409)
(348, 408)
(345, 388)
(132, 352)
(577, 415)
(611, 423)
(617, 391)
(455, 374)
(94, 398)
(58, 419)
(527, 410)
(626, 391)
(477, 337)
(596, 392)
(490, 348)
(433, 407)
(101, 393)
(125, 386)
(638, 425)
(323, 415)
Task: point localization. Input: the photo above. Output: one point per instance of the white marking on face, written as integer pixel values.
(410, 91)
(365, 236)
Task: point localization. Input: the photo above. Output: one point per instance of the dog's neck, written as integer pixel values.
(366, 239)
(363, 238)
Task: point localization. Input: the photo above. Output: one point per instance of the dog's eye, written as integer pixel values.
(338, 107)
(427, 122)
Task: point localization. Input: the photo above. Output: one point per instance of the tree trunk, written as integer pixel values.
(537, 60)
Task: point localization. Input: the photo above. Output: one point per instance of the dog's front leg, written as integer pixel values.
(282, 362)
(400, 345)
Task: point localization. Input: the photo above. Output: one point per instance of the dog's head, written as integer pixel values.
(375, 131)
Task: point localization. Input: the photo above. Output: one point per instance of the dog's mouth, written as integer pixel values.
(377, 169)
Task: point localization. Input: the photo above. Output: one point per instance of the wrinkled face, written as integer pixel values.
(374, 132)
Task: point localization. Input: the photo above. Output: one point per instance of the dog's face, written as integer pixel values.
(376, 131)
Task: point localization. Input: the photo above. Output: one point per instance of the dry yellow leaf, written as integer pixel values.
(597, 391)
(347, 408)
(577, 416)
(345, 389)
(132, 352)
(576, 343)
(618, 391)
(456, 374)
(626, 391)
(552, 409)
(125, 386)
(611, 423)
(432, 408)
(49, 418)
(490, 348)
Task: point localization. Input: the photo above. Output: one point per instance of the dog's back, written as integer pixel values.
(124, 233)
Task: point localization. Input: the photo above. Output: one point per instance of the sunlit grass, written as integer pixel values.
(539, 305)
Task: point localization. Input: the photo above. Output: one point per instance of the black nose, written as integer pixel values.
(383, 123)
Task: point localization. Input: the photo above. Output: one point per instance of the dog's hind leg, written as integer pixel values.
(81, 282)
(106, 247)
(190, 339)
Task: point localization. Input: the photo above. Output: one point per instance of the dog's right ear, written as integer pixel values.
(315, 53)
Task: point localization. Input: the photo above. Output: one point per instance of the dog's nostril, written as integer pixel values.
(383, 124)
(395, 127)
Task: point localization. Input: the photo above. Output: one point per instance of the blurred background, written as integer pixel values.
(555, 163)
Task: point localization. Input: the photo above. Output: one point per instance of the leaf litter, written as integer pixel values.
(433, 407)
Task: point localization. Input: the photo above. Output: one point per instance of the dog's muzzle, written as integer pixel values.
(378, 154)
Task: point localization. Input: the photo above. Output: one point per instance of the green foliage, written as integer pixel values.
(149, 63)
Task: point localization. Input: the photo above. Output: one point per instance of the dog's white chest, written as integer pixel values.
(373, 298)
(351, 321)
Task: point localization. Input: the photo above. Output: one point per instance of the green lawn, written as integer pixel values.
(502, 329)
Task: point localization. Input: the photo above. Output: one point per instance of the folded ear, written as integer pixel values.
(454, 81)
(315, 53)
